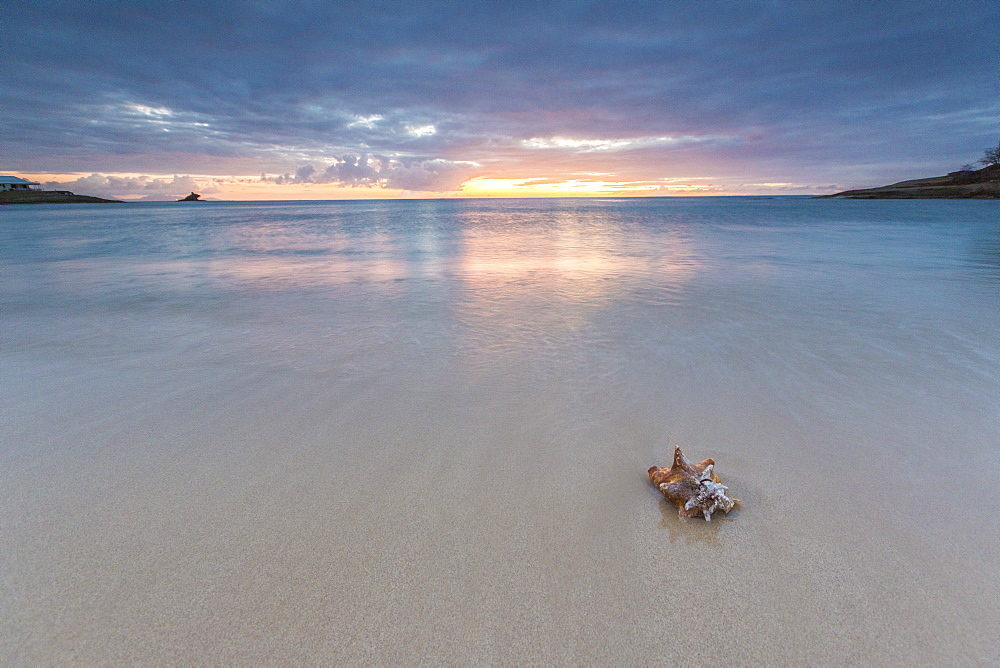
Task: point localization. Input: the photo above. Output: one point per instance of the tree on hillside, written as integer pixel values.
(991, 157)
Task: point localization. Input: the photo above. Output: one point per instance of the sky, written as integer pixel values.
(329, 100)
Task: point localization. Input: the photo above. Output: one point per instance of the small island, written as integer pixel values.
(966, 183)
(193, 197)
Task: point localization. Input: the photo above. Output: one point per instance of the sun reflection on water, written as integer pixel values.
(529, 286)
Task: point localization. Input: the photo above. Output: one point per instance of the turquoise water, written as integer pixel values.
(443, 411)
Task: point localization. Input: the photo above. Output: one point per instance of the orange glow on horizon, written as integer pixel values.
(539, 187)
(252, 188)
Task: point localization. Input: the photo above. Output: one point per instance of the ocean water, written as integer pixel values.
(399, 430)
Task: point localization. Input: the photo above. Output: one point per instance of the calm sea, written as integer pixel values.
(583, 286)
(427, 423)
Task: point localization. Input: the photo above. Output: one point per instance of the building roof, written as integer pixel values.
(14, 179)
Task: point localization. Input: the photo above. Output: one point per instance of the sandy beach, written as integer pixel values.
(442, 457)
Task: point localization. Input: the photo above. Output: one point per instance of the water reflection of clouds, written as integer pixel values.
(317, 253)
(514, 283)
(276, 257)
(561, 258)
(501, 258)
(525, 284)
(285, 273)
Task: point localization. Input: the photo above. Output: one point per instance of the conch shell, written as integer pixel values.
(693, 488)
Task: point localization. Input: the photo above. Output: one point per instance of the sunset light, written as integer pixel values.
(533, 332)
(354, 107)
(486, 187)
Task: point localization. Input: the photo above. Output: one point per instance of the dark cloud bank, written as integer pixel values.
(411, 95)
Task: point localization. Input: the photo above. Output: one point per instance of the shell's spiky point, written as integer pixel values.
(680, 461)
(694, 488)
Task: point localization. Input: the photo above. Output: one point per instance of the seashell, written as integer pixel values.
(694, 488)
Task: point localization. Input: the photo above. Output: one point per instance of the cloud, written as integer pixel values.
(827, 91)
(430, 175)
(588, 145)
(133, 187)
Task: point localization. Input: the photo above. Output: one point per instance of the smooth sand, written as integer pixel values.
(173, 504)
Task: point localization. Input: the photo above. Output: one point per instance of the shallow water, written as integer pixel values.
(420, 429)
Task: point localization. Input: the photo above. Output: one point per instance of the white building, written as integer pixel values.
(14, 183)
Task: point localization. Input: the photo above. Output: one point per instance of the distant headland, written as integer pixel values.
(15, 190)
(975, 184)
(966, 183)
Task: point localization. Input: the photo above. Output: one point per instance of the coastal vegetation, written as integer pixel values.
(991, 157)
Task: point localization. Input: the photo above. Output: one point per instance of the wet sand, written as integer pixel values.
(426, 480)
(174, 513)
